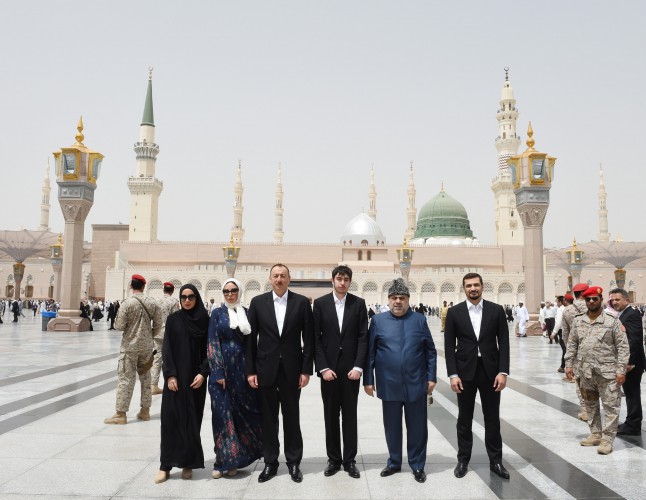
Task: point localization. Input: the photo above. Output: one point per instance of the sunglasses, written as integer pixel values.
(592, 299)
(230, 292)
(190, 297)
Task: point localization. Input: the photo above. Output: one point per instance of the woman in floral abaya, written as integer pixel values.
(234, 405)
(185, 370)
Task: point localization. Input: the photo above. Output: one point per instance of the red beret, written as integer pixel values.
(593, 290)
(139, 277)
(169, 284)
(580, 287)
(569, 297)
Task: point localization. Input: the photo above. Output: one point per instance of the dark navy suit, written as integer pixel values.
(402, 359)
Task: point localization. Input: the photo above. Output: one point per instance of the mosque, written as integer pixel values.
(444, 244)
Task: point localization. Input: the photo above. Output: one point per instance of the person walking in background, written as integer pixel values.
(522, 315)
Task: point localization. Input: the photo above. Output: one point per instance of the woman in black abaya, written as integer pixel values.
(185, 368)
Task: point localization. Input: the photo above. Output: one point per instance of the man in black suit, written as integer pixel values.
(280, 349)
(341, 344)
(476, 340)
(631, 323)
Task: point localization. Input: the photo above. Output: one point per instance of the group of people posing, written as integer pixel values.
(254, 363)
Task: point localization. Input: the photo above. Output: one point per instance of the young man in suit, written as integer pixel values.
(476, 341)
(280, 350)
(631, 322)
(341, 344)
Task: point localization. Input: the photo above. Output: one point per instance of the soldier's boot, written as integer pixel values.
(118, 418)
(591, 440)
(583, 415)
(144, 414)
(155, 390)
(605, 447)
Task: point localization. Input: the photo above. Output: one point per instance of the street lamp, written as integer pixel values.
(575, 264)
(231, 254)
(77, 170)
(405, 257)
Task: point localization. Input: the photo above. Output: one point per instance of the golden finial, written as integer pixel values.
(441, 186)
(574, 243)
(150, 72)
(60, 239)
(405, 243)
(79, 136)
(530, 139)
(231, 240)
(506, 73)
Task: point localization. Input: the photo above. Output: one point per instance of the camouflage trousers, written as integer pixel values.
(127, 376)
(157, 363)
(599, 388)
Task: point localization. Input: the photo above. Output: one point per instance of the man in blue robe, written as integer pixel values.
(402, 355)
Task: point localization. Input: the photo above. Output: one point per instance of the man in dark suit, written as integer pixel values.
(476, 339)
(403, 360)
(280, 349)
(341, 344)
(631, 322)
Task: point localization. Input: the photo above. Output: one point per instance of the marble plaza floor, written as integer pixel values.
(57, 388)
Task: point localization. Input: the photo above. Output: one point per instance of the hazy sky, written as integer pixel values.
(327, 88)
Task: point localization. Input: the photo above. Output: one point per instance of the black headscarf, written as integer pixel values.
(197, 318)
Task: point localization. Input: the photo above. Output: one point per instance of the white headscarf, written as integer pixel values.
(237, 316)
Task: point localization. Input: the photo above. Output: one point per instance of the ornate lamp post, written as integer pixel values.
(532, 173)
(405, 257)
(56, 256)
(231, 254)
(77, 170)
(575, 259)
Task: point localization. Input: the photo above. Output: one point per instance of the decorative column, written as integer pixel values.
(77, 170)
(18, 275)
(56, 257)
(575, 263)
(405, 257)
(532, 173)
(231, 254)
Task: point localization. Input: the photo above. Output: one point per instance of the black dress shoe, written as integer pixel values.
(499, 470)
(387, 471)
(295, 472)
(352, 470)
(267, 473)
(331, 469)
(627, 431)
(420, 475)
(460, 469)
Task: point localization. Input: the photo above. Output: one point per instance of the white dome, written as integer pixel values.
(362, 230)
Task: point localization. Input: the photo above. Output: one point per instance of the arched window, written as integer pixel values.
(370, 286)
(428, 287)
(521, 288)
(176, 283)
(487, 288)
(353, 287)
(196, 283)
(213, 285)
(155, 284)
(505, 288)
(447, 287)
(252, 286)
(412, 287)
(386, 286)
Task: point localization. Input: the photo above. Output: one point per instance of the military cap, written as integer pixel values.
(169, 285)
(593, 290)
(139, 277)
(569, 297)
(580, 287)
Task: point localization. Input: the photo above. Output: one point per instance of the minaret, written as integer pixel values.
(509, 230)
(44, 202)
(144, 187)
(278, 211)
(411, 211)
(604, 235)
(237, 231)
(372, 195)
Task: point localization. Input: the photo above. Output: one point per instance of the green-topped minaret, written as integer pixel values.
(144, 187)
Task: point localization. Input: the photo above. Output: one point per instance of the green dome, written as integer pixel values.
(443, 217)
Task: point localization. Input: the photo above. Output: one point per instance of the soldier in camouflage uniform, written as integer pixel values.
(140, 319)
(599, 348)
(168, 304)
(572, 310)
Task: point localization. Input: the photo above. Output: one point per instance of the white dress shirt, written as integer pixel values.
(475, 314)
(339, 304)
(280, 308)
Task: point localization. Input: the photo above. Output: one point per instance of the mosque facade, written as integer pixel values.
(444, 243)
